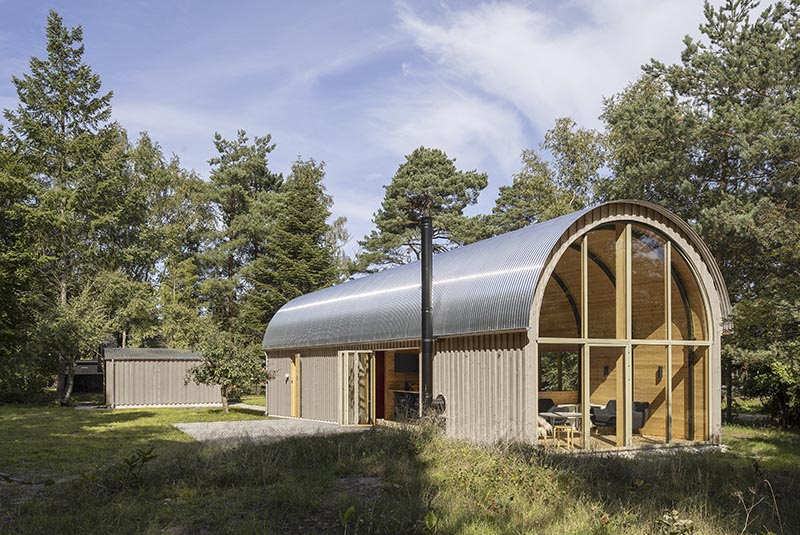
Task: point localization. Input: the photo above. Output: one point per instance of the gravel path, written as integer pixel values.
(261, 429)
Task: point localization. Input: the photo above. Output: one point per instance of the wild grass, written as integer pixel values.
(414, 481)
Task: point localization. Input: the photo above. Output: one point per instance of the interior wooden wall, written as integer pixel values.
(561, 396)
(680, 393)
(680, 329)
(647, 387)
(601, 387)
(395, 381)
(557, 319)
(601, 288)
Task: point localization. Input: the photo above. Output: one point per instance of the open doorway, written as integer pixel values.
(357, 386)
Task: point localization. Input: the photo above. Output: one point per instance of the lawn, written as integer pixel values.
(259, 400)
(53, 442)
(380, 481)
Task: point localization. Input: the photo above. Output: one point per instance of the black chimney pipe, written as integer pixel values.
(427, 312)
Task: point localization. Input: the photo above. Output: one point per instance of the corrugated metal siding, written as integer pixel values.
(483, 381)
(155, 382)
(278, 389)
(318, 388)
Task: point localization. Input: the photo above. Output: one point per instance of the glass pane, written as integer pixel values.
(548, 371)
(570, 370)
(559, 409)
(606, 396)
(560, 313)
(648, 286)
(559, 371)
(700, 395)
(602, 287)
(649, 411)
(689, 379)
(688, 313)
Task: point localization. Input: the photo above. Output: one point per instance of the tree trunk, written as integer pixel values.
(70, 381)
(63, 291)
(124, 337)
(225, 394)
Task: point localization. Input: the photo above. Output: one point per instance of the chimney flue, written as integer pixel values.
(427, 312)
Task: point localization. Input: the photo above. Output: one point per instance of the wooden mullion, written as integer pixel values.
(668, 367)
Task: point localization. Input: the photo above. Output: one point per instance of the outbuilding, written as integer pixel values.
(152, 377)
(605, 324)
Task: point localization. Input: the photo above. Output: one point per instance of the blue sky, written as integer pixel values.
(357, 84)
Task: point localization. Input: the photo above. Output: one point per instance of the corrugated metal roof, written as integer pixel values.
(147, 353)
(483, 287)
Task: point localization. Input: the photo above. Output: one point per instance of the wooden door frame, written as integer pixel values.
(295, 405)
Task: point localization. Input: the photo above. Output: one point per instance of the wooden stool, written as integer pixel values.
(569, 434)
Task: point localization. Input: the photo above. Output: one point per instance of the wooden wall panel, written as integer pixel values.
(279, 388)
(319, 390)
(157, 383)
(604, 387)
(680, 394)
(561, 396)
(647, 387)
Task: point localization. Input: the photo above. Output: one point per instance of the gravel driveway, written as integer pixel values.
(261, 429)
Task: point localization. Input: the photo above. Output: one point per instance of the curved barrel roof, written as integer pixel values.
(487, 286)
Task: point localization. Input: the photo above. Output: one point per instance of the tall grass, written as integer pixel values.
(415, 481)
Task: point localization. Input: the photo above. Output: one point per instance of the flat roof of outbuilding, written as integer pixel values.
(149, 353)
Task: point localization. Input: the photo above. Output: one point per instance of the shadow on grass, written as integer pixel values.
(297, 485)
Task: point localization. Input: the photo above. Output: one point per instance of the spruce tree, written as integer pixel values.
(300, 255)
(61, 133)
(18, 373)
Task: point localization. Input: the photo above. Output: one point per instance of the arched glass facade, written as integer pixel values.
(623, 342)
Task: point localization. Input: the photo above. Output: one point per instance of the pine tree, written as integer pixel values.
(716, 139)
(240, 185)
(426, 184)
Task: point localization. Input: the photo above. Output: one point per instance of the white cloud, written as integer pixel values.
(477, 131)
(548, 63)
